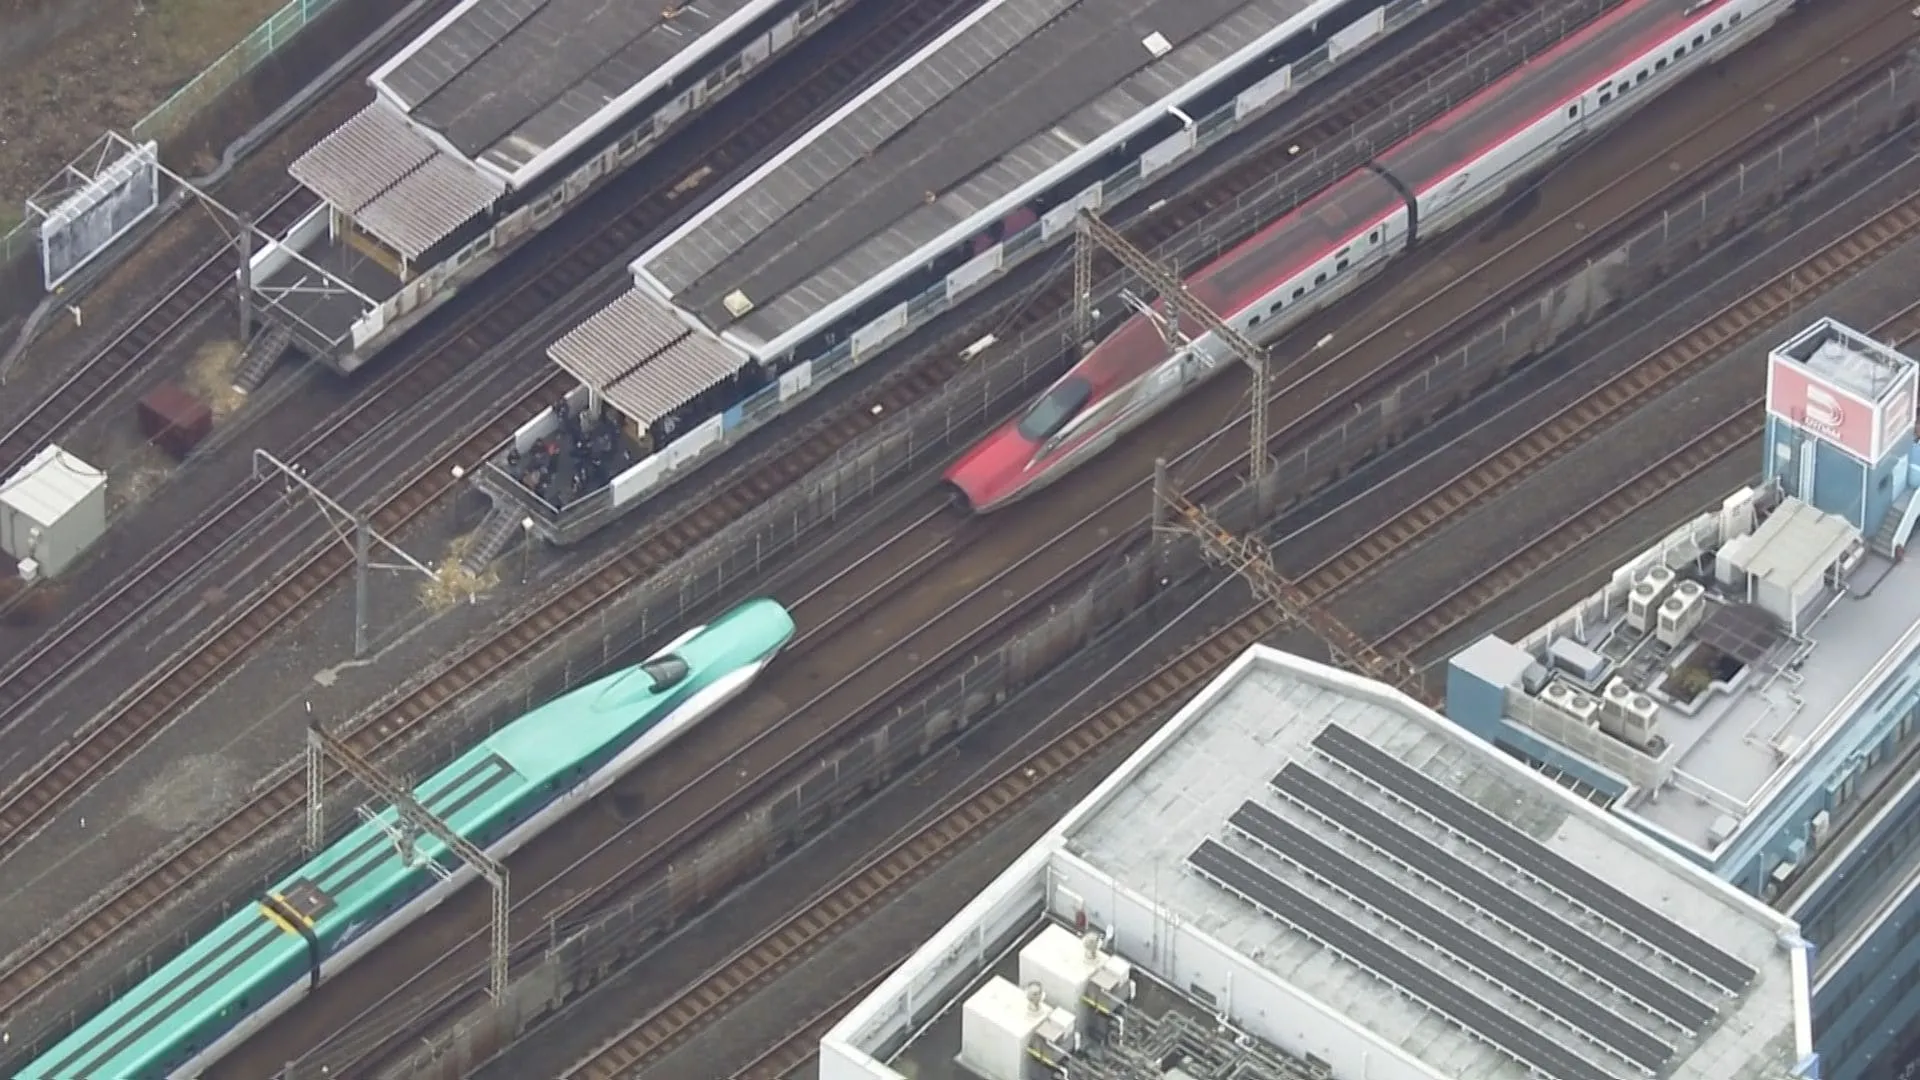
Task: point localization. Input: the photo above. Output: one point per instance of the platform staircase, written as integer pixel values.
(499, 529)
(261, 354)
(1886, 542)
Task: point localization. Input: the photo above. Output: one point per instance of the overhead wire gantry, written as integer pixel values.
(411, 821)
(1244, 556)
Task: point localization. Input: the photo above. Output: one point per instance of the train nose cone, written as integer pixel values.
(994, 471)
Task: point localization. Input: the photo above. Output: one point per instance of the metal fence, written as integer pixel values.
(579, 953)
(744, 553)
(1641, 261)
(171, 117)
(582, 952)
(1305, 175)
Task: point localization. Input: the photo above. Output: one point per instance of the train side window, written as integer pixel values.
(1699, 40)
(1299, 292)
(1573, 112)
(1319, 279)
(1275, 309)
(1373, 237)
(1253, 322)
(1340, 267)
(1733, 19)
(1679, 53)
(1343, 253)
(1661, 64)
(1606, 98)
(1642, 77)
(1714, 31)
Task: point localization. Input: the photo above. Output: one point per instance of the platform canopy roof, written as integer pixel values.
(645, 359)
(394, 181)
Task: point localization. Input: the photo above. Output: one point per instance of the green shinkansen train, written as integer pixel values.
(362, 890)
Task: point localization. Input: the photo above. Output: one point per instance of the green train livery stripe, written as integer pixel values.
(265, 935)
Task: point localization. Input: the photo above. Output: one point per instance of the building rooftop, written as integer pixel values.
(1797, 622)
(511, 84)
(1355, 879)
(1011, 101)
(493, 95)
(1847, 358)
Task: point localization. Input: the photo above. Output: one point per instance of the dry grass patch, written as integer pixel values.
(210, 376)
(452, 583)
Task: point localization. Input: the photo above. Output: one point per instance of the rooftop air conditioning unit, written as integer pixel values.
(1579, 707)
(1641, 722)
(1643, 601)
(1680, 614)
(1613, 706)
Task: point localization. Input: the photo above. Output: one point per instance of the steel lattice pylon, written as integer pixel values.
(1171, 289)
(414, 819)
(1249, 559)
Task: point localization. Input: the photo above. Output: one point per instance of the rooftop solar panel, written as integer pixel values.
(1497, 836)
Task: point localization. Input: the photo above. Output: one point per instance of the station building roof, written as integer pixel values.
(1014, 99)
(1347, 875)
(493, 95)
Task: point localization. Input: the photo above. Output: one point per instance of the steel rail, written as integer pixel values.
(130, 901)
(1419, 631)
(670, 1024)
(1580, 422)
(30, 804)
(123, 357)
(1031, 597)
(784, 1056)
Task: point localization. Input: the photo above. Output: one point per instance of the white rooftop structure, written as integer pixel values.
(1847, 358)
(51, 511)
(1350, 878)
(1798, 626)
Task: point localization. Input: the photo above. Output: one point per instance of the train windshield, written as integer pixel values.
(1052, 412)
(666, 672)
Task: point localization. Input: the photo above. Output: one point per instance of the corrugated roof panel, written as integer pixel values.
(686, 369)
(362, 158)
(617, 339)
(394, 181)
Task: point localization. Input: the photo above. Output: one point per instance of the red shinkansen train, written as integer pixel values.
(1423, 186)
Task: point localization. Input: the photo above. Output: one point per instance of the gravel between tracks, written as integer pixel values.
(1550, 497)
(1658, 130)
(707, 940)
(1544, 201)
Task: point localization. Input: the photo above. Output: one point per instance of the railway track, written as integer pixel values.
(115, 366)
(31, 804)
(485, 660)
(158, 699)
(1420, 631)
(144, 711)
(960, 623)
(881, 879)
(792, 1050)
(781, 748)
(1553, 437)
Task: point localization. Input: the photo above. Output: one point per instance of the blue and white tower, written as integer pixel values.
(1840, 421)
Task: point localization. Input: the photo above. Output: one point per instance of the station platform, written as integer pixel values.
(1016, 99)
(968, 159)
(484, 129)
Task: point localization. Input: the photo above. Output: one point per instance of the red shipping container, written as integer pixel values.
(174, 420)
